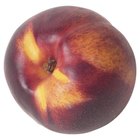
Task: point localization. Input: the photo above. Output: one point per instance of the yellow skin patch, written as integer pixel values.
(29, 46)
(56, 93)
(41, 97)
(95, 51)
(103, 53)
(42, 92)
(60, 76)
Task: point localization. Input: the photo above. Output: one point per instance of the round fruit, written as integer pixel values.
(70, 69)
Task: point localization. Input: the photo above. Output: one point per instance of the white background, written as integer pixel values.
(14, 123)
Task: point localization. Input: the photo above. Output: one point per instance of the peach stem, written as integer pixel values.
(50, 65)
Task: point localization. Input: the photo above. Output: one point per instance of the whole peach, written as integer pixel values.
(70, 69)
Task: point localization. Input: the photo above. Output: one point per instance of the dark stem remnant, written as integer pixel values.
(50, 65)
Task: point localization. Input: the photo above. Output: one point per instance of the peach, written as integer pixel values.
(70, 69)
